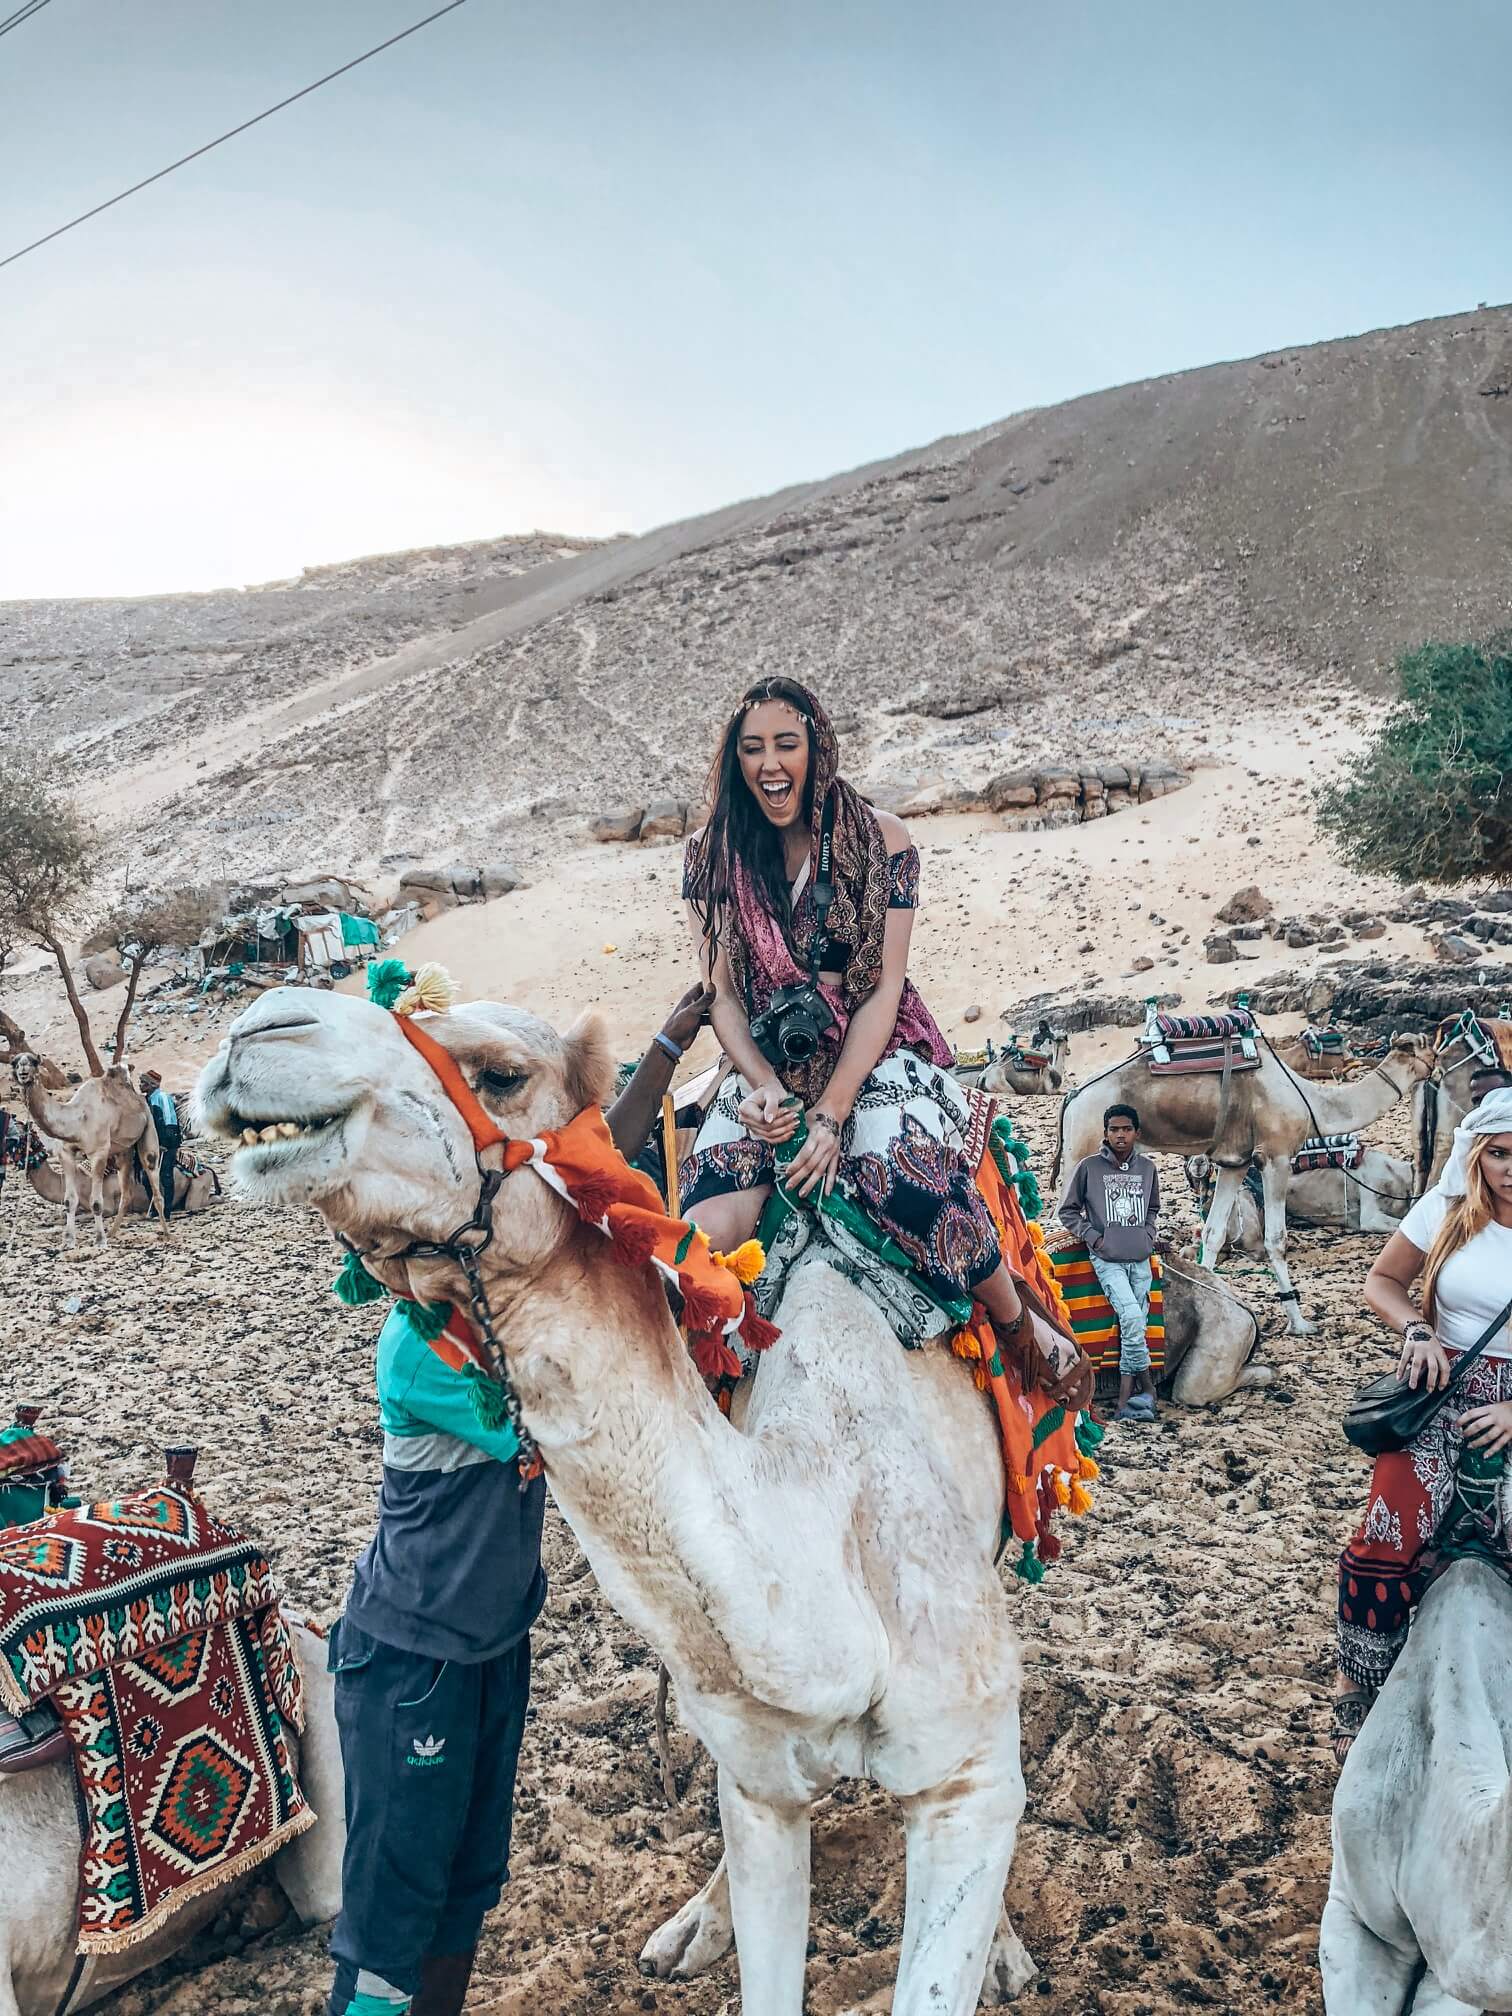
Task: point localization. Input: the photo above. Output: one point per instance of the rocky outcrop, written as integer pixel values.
(1076, 1013)
(438, 889)
(1381, 995)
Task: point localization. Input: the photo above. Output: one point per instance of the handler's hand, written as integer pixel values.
(689, 1016)
(1424, 1362)
(818, 1160)
(766, 1114)
(1488, 1428)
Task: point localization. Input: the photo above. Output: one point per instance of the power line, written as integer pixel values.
(185, 159)
(21, 14)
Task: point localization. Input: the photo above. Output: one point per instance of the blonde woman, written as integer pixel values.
(1458, 1237)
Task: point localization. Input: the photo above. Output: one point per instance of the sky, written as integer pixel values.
(591, 266)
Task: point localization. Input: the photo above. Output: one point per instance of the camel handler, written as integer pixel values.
(1112, 1203)
(432, 1681)
(169, 1133)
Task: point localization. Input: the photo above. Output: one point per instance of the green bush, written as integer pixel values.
(1429, 799)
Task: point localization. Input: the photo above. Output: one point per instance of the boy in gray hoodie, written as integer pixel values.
(1112, 1203)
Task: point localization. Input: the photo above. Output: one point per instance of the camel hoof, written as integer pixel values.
(1009, 1970)
(686, 1945)
(1255, 1375)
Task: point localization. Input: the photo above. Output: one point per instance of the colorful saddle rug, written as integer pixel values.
(1325, 1043)
(1327, 1151)
(1177, 1044)
(1093, 1321)
(156, 1634)
(33, 1470)
(21, 1146)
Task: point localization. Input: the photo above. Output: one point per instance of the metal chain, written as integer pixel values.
(529, 1457)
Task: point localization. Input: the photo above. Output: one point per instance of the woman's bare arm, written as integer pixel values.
(1397, 1266)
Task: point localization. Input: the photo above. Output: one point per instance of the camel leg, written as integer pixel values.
(1362, 1975)
(71, 1199)
(1010, 1967)
(97, 1198)
(151, 1162)
(1433, 1999)
(960, 1845)
(1215, 1225)
(1275, 1179)
(767, 1848)
(701, 1933)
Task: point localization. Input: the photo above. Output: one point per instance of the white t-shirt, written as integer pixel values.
(1474, 1284)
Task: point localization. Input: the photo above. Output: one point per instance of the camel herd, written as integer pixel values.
(883, 1648)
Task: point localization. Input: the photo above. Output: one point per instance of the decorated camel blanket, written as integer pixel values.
(1093, 1322)
(156, 1634)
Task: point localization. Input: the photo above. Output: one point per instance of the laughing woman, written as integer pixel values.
(862, 1059)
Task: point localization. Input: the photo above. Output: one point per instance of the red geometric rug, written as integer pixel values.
(156, 1633)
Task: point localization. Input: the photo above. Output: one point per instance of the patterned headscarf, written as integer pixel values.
(759, 947)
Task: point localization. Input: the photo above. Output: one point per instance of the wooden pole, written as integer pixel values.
(669, 1156)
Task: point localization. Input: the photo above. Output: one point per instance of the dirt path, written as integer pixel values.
(1175, 1850)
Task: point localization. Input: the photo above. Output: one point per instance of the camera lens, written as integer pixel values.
(798, 1043)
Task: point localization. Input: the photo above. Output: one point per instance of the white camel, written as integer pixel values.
(103, 1120)
(1416, 1918)
(39, 1866)
(820, 1583)
(1011, 1070)
(1374, 1196)
(1261, 1115)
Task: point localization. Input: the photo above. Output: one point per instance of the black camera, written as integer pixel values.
(789, 1030)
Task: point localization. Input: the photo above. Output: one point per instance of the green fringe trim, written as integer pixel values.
(1029, 1567)
(386, 981)
(428, 1318)
(1012, 1158)
(489, 1400)
(354, 1285)
(1047, 1425)
(1088, 1433)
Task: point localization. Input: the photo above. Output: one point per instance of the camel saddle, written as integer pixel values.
(1325, 1042)
(32, 1472)
(1174, 1045)
(1327, 1151)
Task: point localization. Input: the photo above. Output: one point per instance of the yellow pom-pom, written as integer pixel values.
(1081, 1500)
(965, 1345)
(1088, 1471)
(1062, 1485)
(432, 988)
(745, 1263)
(981, 1379)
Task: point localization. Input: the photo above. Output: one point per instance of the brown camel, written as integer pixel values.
(1264, 1115)
(103, 1118)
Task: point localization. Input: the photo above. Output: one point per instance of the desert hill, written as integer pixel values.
(1139, 568)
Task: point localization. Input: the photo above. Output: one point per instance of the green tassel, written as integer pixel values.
(354, 1285)
(386, 981)
(1048, 1424)
(1088, 1433)
(428, 1318)
(1029, 1567)
(490, 1402)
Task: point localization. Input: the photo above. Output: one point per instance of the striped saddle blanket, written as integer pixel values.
(1175, 1044)
(1093, 1323)
(1327, 1151)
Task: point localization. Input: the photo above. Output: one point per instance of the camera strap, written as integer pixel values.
(824, 890)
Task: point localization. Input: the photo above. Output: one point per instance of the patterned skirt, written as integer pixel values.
(902, 1155)
(1385, 1568)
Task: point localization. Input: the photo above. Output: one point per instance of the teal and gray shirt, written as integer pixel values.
(454, 1570)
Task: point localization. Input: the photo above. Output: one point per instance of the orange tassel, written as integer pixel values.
(593, 1194)
(1081, 1500)
(755, 1331)
(703, 1305)
(636, 1234)
(713, 1356)
(1062, 1487)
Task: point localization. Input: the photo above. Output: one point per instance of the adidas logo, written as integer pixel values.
(427, 1750)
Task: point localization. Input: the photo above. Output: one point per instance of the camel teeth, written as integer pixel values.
(287, 1131)
(250, 1137)
(270, 1133)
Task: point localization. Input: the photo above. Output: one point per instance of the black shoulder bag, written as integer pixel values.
(1388, 1413)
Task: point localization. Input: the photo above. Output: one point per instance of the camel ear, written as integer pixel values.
(589, 1062)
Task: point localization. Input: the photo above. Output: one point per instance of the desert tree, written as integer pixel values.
(49, 860)
(144, 927)
(1429, 796)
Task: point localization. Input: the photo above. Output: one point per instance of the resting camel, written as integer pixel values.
(1004, 1075)
(101, 1118)
(39, 1862)
(1422, 1819)
(1265, 1116)
(191, 1193)
(1372, 1197)
(881, 1646)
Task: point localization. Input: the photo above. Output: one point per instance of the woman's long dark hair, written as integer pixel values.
(738, 829)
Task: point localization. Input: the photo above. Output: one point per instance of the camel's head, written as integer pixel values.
(1414, 1051)
(1198, 1170)
(332, 1106)
(25, 1069)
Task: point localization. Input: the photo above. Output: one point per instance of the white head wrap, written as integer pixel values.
(1492, 1116)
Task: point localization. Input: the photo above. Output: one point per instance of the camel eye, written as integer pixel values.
(502, 1084)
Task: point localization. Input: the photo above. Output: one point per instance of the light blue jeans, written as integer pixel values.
(1126, 1283)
